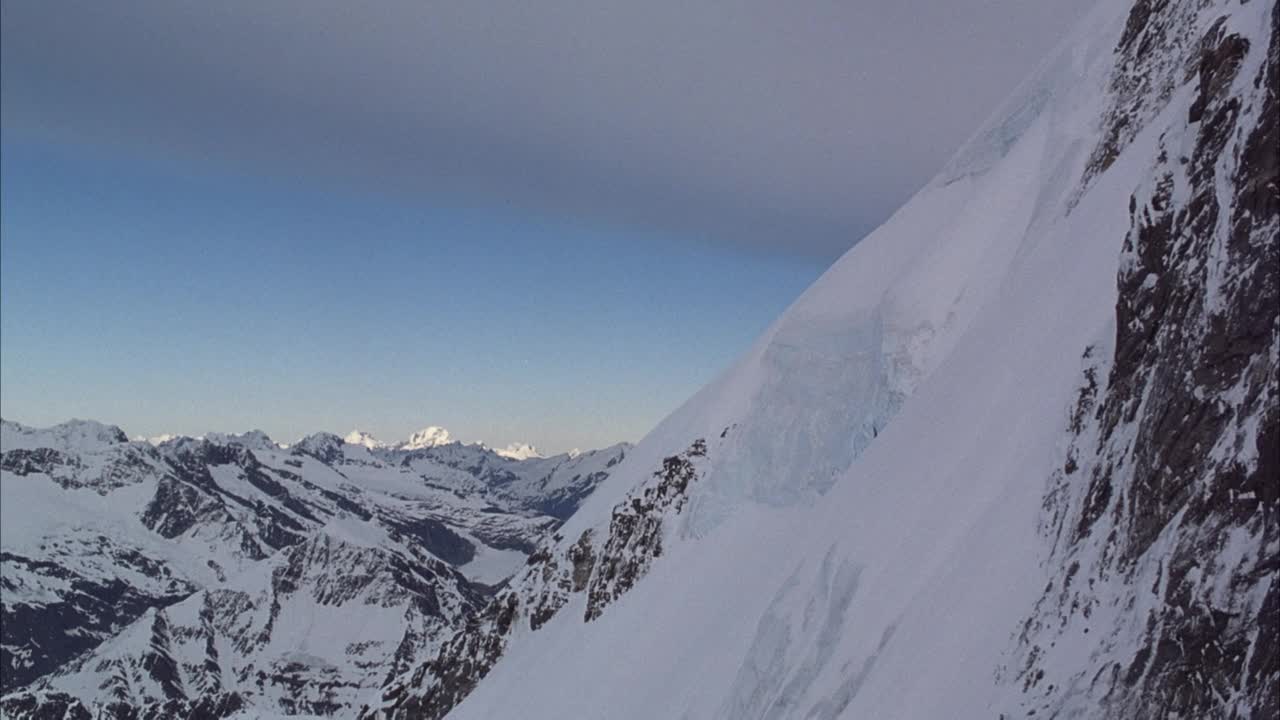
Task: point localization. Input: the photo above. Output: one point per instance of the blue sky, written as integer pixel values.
(166, 297)
(544, 222)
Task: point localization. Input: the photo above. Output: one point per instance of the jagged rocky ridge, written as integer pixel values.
(206, 576)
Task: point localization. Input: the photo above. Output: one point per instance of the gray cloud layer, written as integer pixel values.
(784, 125)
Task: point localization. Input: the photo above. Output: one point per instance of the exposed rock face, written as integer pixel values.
(582, 558)
(1151, 63)
(558, 571)
(635, 531)
(1164, 520)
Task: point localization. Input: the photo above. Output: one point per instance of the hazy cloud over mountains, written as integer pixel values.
(794, 126)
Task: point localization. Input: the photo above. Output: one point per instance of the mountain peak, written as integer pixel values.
(255, 439)
(519, 451)
(426, 438)
(360, 437)
(73, 434)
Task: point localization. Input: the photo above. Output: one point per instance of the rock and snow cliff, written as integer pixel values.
(1014, 455)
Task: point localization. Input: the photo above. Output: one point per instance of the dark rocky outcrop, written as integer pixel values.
(635, 530)
(1165, 518)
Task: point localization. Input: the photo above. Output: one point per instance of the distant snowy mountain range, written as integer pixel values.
(200, 576)
(428, 437)
(435, 436)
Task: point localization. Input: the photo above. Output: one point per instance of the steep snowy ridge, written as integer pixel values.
(211, 575)
(923, 505)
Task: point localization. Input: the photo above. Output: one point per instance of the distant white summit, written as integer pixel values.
(360, 437)
(519, 451)
(435, 436)
(426, 438)
(155, 439)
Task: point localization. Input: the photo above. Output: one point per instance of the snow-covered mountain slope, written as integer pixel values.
(1014, 455)
(282, 579)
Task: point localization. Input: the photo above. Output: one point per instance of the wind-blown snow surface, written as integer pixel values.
(861, 537)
